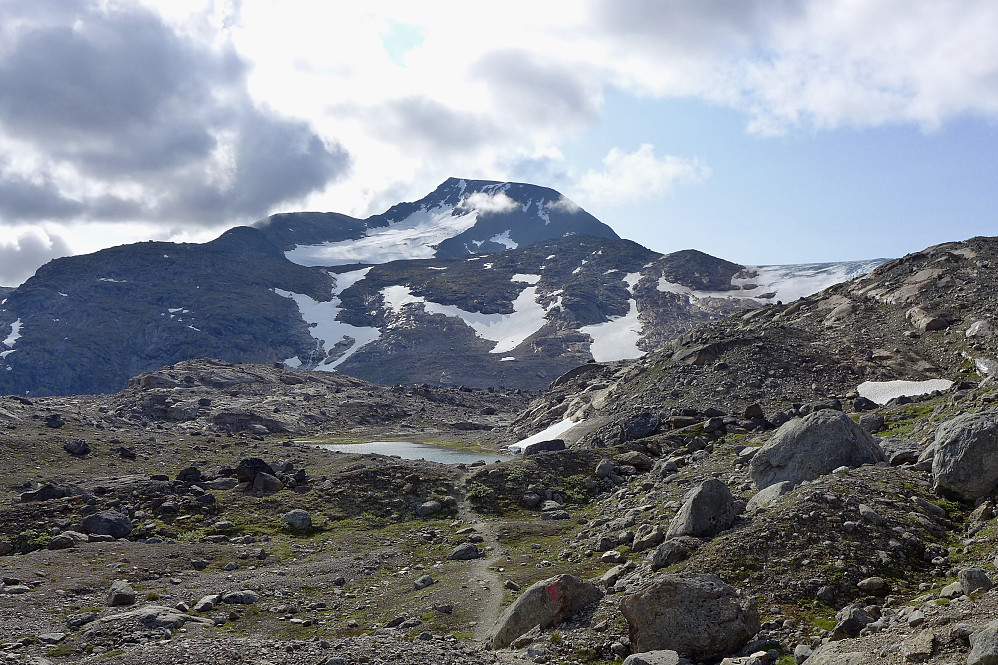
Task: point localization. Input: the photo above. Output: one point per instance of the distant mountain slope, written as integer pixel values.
(479, 283)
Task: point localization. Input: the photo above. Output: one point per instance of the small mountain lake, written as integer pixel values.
(413, 450)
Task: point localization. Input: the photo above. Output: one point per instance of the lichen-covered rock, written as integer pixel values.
(696, 615)
(708, 510)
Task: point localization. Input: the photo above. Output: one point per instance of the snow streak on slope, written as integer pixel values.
(617, 339)
(323, 326)
(414, 237)
(507, 330)
(15, 334)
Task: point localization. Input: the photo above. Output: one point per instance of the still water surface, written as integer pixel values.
(413, 450)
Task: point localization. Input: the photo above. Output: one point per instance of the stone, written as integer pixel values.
(267, 483)
(696, 615)
(298, 520)
(77, 621)
(77, 447)
(981, 329)
(984, 646)
(464, 552)
(973, 580)
(707, 510)
(189, 475)
(925, 320)
(872, 422)
(423, 581)
(107, 523)
(640, 425)
(428, 508)
(67, 539)
(121, 593)
(964, 465)
(151, 616)
(812, 446)
(240, 597)
(876, 586)
(951, 591)
(638, 460)
(647, 536)
(769, 496)
(604, 468)
(851, 619)
(672, 551)
(754, 411)
(801, 653)
(207, 603)
(54, 420)
(546, 603)
(661, 657)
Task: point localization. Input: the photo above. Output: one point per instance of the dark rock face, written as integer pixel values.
(696, 615)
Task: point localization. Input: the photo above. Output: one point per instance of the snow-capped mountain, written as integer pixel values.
(479, 283)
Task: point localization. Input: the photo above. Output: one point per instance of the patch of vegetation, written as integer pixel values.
(59, 651)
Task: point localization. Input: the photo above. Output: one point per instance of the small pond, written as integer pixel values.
(412, 450)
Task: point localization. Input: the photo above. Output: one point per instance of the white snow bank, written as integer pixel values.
(616, 339)
(528, 279)
(790, 282)
(323, 326)
(507, 330)
(504, 239)
(15, 334)
(414, 237)
(552, 432)
(882, 392)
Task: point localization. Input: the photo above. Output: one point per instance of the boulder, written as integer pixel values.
(647, 536)
(546, 603)
(150, 616)
(984, 646)
(189, 475)
(427, 508)
(298, 520)
(67, 539)
(765, 498)
(696, 615)
(812, 446)
(50, 491)
(638, 460)
(640, 425)
(964, 464)
(121, 593)
(973, 580)
(543, 447)
(247, 469)
(77, 447)
(673, 551)
(266, 483)
(707, 510)
(465, 552)
(240, 597)
(107, 523)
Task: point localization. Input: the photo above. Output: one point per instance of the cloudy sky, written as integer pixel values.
(763, 132)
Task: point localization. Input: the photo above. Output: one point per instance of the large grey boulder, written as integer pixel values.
(965, 463)
(696, 615)
(834, 653)
(298, 520)
(121, 593)
(546, 603)
(107, 523)
(984, 646)
(812, 446)
(150, 616)
(707, 510)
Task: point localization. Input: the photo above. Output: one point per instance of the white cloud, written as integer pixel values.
(485, 202)
(628, 177)
(23, 249)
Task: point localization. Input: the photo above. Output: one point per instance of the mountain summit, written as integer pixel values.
(458, 218)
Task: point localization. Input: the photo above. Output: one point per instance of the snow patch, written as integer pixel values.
(506, 359)
(504, 239)
(15, 334)
(522, 277)
(790, 282)
(112, 281)
(323, 326)
(882, 392)
(552, 432)
(345, 280)
(414, 237)
(616, 339)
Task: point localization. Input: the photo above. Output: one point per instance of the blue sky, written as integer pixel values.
(806, 196)
(771, 132)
